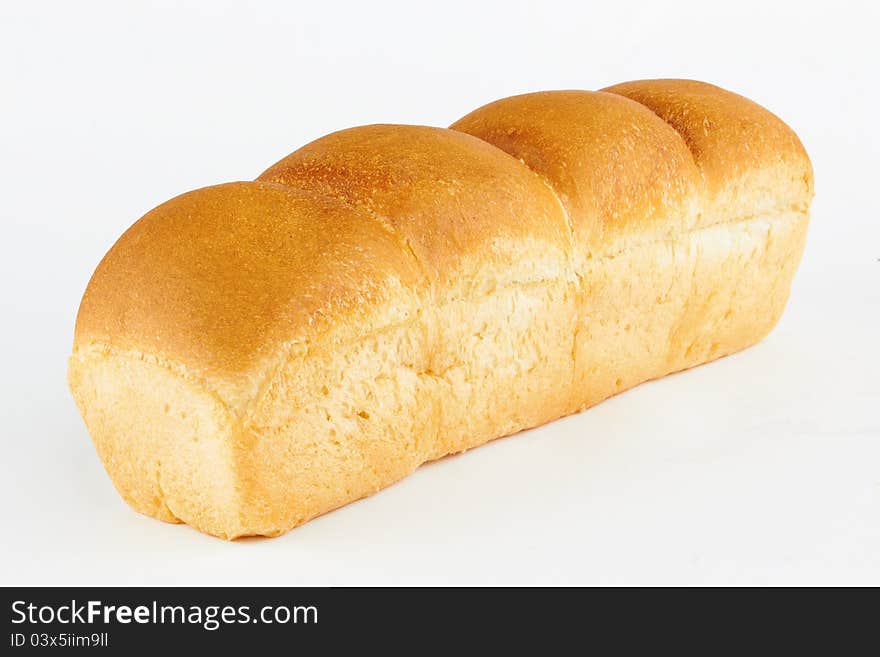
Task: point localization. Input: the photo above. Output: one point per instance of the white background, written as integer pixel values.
(762, 468)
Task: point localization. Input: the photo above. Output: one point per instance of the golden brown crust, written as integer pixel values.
(746, 154)
(217, 278)
(621, 172)
(460, 204)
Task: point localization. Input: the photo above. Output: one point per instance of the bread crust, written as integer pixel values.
(751, 162)
(251, 355)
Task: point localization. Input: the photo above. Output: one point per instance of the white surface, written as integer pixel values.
(761, 468)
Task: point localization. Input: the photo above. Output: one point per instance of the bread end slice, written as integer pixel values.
(165, 440)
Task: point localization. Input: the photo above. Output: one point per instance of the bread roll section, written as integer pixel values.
(494, 325)
(251, 355)
(689, 209)
(196, 313)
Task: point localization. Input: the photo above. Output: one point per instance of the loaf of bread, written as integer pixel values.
(251, 355)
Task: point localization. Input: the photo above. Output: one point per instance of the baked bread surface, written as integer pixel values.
(251, 355)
